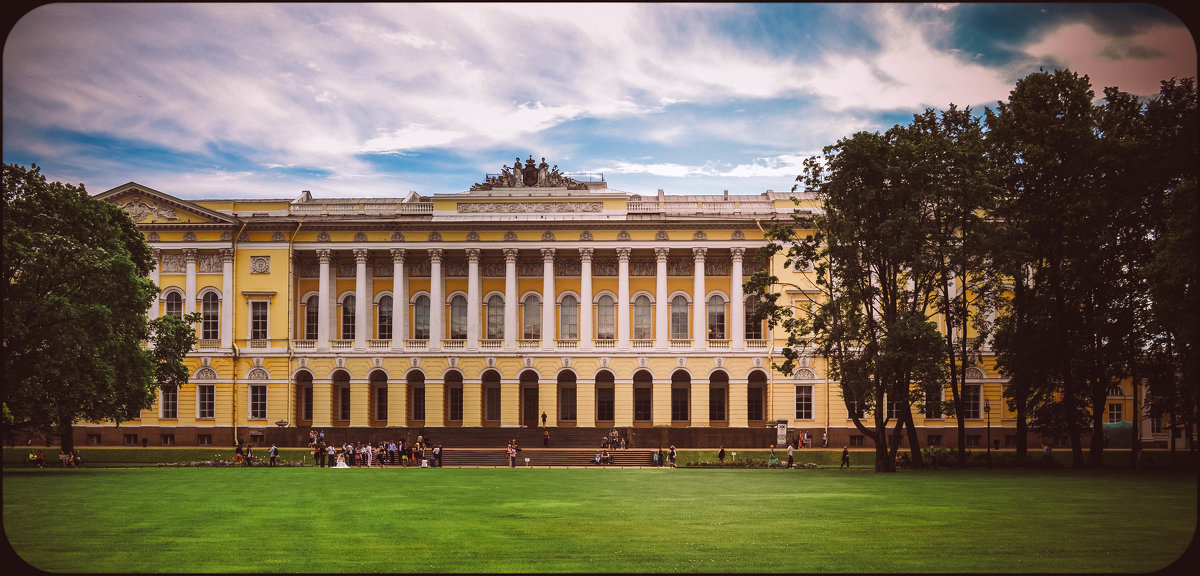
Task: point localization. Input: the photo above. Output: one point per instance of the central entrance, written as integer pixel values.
(529, 399)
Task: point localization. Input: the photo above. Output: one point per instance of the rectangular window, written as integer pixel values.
(641, 318)
(344, 403)
(753, 327)
(754, 403)
(209, 313)
(258, 320)
(1114, 412)
(206, 401)
(306, 399)
(934, 440)
(456, 403)
(257, 438)
(204, 439)
(533, 319)
(167, 439)
(458, 318)
(566, 404)
(381, 402)
(605, 403)
(971, 401)
(495, 318)
(716, 403)
(93, 439)
(679, 404)
(857, 441)
(716, 319)
(973, 440)
(853, 409)
(421, 319)
(893, 408)
(168, 403)
(568, 325)
(606, 322)
(258, 402)
(385, 319)
(641, 404)
(679, 319)
(131, 439)
(1010, 440)
(492, 404)
(1156, 424)
(418, 403)
(933, 402)
(804, 402)
(311, 319)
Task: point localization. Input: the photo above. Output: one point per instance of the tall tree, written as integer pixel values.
(76, 291)
(1044, 143)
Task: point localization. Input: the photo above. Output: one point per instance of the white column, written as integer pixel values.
(154, 277)
(510, 298)
(662, 325)
(737, 299)
(437, 300)
(189, 286)
(323, 256)
(548, 298)
(474, 302)
(399, 302)
(623, 298)
(227, 299)
(585, 299)
(699, 305)
(362, 321)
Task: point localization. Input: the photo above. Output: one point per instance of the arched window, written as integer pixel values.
(679, 317)
(174, 305)
(495, 317)
(641, 317)
(754, 328)
(311, 313)
(533, 318)
(348, 305)
(606, 323)
(568, 323)
(421, 318)
(458, 317)
(210, 311)
(384, 322)
(716, 318)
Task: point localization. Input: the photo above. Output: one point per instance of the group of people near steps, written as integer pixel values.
(360, 454)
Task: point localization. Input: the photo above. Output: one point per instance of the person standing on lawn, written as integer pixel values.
(274, 452)
(789, 465)
(845, 457)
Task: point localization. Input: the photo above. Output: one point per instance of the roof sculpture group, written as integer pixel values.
(529, 175)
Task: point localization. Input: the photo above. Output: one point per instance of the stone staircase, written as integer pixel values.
(543, 457)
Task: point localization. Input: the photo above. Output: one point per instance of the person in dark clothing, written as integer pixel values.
(845, 457)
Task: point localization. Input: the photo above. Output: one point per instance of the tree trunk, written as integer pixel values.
(66, 436)
(1096, 449)
(914, 444)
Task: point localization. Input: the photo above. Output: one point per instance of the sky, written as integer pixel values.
(376, 100)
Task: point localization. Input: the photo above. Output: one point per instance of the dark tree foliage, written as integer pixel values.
(76, 290)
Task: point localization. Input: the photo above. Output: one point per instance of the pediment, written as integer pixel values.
(148, 206)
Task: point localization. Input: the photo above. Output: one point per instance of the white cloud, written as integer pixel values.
(1135, 64)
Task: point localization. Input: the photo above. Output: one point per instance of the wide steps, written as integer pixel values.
(542, 457)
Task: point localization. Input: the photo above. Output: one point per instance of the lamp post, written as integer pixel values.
(987, 409)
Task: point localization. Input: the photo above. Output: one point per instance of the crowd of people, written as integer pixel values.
(360, 454)
(65, 459)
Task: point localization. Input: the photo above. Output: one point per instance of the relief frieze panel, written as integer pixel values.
(604, 267)
(310, 268)
(419, 268)
(383, 268)
(567, 266)
(716, 267)
(680, 267)
(455, 268)
(173, 263)
(208, 263)
(529, 207)
(642, 267)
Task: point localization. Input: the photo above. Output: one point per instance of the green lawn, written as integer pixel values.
(589, 520)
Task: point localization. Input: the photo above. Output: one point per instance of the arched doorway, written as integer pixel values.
(377, 398)
(341, 398)
(718, 399)
(490, 381)
(416, 398)
(304, 398)
(454, 398)
(529, 399)
(643, 398)
(681, 394)
(567, 399)
(756, 398)
(605, 399)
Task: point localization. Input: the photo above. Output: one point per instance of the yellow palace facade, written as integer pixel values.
(532, 295)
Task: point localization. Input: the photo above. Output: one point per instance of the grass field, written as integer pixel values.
(589, 520)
